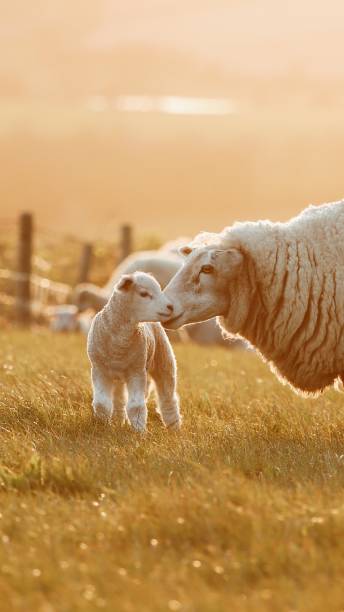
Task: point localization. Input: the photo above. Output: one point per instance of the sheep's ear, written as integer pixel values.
(185, 250)
(125, 283)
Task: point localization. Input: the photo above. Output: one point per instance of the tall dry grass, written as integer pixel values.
(243, 510)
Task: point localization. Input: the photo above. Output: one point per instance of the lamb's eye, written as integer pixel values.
(208, 269)
(144, 294)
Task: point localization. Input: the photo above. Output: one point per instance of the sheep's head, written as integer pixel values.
(146, 302)
(202, 288)
(88, 296)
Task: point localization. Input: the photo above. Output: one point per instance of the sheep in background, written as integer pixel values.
(163, 264)
(66, 318)
(278, 285)
(124, 349)
(174, 246)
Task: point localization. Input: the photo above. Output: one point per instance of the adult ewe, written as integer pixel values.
(278, 285)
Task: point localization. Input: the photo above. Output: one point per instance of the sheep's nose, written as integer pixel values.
(170, 308)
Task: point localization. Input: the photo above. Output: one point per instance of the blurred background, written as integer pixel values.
(172, 115)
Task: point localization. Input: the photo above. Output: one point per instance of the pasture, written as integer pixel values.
(243, 510)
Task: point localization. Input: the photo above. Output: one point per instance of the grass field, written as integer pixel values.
(243, 510)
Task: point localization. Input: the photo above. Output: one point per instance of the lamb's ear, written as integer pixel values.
(185, 250)
(229, 260)
(125, 282)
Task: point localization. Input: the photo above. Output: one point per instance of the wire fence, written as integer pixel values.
(25, 295)
(43, 291)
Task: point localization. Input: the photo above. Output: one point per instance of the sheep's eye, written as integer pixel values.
(144, 294)
(207, 269)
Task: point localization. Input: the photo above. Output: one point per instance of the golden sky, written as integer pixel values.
(241, 35)
(235, 37)
(280, 63)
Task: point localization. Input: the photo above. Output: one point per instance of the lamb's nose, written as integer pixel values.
(169, 307)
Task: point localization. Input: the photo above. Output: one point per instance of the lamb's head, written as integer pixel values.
(202, 288)
(145, 299)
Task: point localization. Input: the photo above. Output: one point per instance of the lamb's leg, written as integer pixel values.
(150, 391)
(136, 406)
(119, 401)
(165, 381)
(102, 395)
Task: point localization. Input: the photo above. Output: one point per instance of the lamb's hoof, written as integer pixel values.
(139, 427)
(120, 419)
(138, 419)
(175, 425)
(101, 414)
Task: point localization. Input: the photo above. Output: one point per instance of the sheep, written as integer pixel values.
(278, 285)
(163, 265)
(66, 318)
(124, 350)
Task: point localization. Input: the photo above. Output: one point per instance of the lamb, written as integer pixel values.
(278, 285)
(124, 350)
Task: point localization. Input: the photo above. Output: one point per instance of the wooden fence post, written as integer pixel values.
(126, 241)
(85, 263)
(24, 269)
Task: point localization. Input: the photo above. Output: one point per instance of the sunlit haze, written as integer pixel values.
(172, 116)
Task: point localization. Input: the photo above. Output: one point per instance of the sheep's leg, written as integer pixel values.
(102, 395)
(119, 401)
(136, 406)
(168, 399)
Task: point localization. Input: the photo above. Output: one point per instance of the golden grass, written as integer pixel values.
(243, 510)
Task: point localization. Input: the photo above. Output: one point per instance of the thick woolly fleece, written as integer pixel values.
(289, 301)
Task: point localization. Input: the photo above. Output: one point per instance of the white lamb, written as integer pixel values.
(126, 345)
